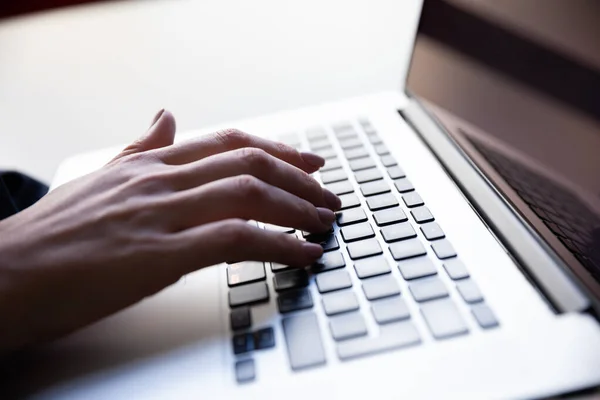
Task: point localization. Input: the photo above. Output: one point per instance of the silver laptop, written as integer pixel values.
(465, 262)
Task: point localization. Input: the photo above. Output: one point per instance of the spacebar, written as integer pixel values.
(391, 337)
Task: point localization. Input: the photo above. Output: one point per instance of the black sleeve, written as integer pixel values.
(17, 192)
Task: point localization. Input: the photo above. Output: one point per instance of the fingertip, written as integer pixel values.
(312, 250)
(312, 159)
(332, 201)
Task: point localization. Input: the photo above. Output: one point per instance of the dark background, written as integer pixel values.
(16, 7)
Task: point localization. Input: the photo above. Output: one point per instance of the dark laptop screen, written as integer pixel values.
(526, 74)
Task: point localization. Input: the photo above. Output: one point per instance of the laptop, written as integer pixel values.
(464, 263)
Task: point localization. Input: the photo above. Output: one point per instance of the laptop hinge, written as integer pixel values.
(546, 271)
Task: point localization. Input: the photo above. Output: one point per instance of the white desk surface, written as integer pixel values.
(93, 76)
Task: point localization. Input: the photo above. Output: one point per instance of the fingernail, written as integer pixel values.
(313, 159)
(312, 250)
(332, 200)
(157, 117)
(326, 215)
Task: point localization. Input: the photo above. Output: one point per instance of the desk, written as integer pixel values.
(93, 76)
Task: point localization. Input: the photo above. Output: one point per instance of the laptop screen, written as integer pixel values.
(524, 76)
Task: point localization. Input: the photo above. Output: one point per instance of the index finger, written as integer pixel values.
(232, 139)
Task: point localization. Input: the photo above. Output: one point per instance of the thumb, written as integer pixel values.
(160, 134)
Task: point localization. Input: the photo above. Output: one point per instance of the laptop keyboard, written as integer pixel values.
(573, 223)
(385, 214)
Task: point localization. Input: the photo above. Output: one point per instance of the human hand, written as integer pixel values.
(153, 214)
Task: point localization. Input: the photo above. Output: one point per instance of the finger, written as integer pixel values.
(244, 197)
(235, 240)
(160, 134)
(231, 139)
(262, 165)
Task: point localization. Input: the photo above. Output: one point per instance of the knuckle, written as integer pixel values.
(232, 138)
(249, 186)
(306, 209)
(310, 182)
(256, 158)
(284, 148)
(235, 231)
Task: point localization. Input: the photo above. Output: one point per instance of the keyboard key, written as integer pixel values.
(421, 214)
(316, 133)
(339, 188)
(343, 128)
(349, 201)
(351, 216)
(292, 279)
(276, 228)
(264, 339)
(276, 267)
(361, 163)
(329, 261)
(350, 142)
(469, 291)
(373, 266)
(381, 201)
(357, 152)
(443, 249)
(357, 232)
(365, 123)
(331, 164)
(416, 268)
(248, 294)
(432, 231)
(389, 216)
(321, 236)
(243, 343)
(381, 149)
(303, 339)
(319, 144)
(364, 248)
(443, 319)
(340, 302)
(380, 287)
(328, 241)
(294, 300)
(412, 199)
(403, 185)
(374, 139)
(335, 175)
(245, 272)
(373, 188)
(395, 172)
(348, 134)
(428, 289)
(402, 231)
(407, 249)
(327, 152)
(456, 269)
(388, 160)
(367, 175)
(240, 318)
(484, 316)
(347, 326)
(333, 280)
(391, 336)
(245, 371)
(389, 310)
